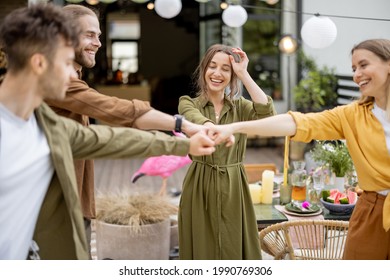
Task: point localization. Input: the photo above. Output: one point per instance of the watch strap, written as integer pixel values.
(178, 122)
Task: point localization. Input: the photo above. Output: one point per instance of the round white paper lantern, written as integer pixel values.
(319, 32)
(167, 8)
(202, 1)
(108, 1)
(234, 16)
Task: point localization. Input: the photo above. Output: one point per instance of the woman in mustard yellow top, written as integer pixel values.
(365, 125)
(216, 217)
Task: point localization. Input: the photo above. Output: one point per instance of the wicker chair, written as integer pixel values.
(254, 171)
(305, 239)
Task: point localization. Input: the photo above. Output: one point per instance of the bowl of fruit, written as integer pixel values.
(339, 203)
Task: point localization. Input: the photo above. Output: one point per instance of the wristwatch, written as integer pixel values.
(178, 122)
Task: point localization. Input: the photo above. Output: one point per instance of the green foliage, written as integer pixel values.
(335, 155)
(317, 91)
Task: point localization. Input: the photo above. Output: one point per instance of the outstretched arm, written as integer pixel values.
(155, 119)
(279, 125)
(82, 99)
(240, 68)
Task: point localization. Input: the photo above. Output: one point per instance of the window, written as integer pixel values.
(123, 42)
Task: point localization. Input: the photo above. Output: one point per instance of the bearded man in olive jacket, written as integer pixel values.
(39, 197)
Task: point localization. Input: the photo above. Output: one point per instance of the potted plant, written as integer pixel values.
(316, 91)
(336, 156)
(133, 226)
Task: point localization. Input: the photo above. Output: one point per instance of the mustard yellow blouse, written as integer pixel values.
(365, 139)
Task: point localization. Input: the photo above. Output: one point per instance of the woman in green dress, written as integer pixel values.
(216, 215)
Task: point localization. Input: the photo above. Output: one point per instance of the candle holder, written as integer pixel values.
(285, 194)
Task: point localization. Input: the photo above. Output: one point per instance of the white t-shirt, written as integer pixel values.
(381, 116)
(26, 170)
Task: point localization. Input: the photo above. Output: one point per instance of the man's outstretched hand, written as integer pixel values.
(201, 144)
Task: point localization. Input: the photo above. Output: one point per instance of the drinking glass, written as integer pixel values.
(318, 186)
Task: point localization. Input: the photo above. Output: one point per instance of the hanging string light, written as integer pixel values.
(74, 1)
(288, 44)
(92, 2)
(271, 2)
(150, 6)
(223, 5)
(107, 1)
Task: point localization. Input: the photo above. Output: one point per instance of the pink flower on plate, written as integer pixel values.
(306, 204)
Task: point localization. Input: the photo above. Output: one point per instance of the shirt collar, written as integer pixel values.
(204, 102)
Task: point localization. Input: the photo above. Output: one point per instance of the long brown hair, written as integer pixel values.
(381, 48)
(199, 74)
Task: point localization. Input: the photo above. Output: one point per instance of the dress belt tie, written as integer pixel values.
(220, 169)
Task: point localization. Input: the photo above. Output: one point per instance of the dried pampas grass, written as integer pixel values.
(133, 210)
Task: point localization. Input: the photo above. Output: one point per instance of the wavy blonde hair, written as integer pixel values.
(381, 48)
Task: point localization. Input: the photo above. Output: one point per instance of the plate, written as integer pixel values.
(290, 208)
(302, 215)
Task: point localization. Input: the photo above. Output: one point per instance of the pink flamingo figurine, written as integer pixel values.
(163, 166)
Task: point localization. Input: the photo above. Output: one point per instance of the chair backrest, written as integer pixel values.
(305, 239)
(254, 171)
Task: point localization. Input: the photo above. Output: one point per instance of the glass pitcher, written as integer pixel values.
(298, 181)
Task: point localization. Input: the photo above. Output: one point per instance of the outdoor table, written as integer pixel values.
(267, 214)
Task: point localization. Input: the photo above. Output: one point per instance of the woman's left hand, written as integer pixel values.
(241, 66)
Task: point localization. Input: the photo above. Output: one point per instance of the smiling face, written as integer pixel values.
(218, 73)
(89, 41)
(371, 73)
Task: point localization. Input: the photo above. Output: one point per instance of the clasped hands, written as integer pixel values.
(203, 142)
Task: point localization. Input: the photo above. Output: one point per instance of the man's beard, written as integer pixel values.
(84, 61)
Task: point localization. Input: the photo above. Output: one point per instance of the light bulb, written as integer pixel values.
(107, 1)
(92, 2)
(288, 44)
(223, 5)
(150, 6)
(271, 2)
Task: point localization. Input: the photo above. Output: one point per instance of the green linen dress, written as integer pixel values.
(216, 216)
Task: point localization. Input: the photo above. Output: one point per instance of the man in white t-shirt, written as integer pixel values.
(38, 191)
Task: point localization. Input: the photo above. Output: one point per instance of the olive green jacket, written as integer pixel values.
(59, 230)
